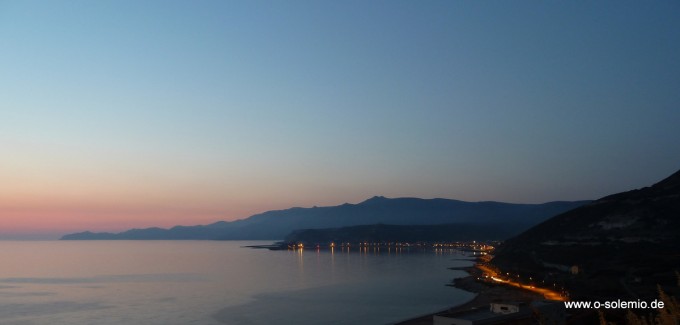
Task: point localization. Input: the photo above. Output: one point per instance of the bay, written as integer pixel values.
(219, 282)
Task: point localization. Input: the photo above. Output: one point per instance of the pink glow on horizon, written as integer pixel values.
(20, 220)
(61, 217)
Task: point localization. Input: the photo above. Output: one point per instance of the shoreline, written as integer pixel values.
(486, 293)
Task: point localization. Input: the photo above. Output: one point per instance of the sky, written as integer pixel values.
(129, 114)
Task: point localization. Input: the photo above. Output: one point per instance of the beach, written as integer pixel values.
(486, 293)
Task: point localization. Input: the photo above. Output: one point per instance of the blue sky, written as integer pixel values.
(136, 113)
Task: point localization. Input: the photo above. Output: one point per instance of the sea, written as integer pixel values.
(220, 282)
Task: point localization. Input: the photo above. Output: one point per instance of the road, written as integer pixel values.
(547, 293)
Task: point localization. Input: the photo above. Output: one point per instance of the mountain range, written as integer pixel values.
(277, 224)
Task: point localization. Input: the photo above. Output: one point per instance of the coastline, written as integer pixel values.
(486, 293)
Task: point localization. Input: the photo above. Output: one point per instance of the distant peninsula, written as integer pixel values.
(277, 224)
(382, 233)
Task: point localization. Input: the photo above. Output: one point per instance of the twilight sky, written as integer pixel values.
(121, 114)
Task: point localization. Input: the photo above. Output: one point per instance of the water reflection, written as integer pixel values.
(378, 250)
(301, 259)
(380, 284)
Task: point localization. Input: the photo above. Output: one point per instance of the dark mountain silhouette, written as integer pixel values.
(623, 244)
(401, 211)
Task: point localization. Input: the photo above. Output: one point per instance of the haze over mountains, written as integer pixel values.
(276, 224)
(623, 244)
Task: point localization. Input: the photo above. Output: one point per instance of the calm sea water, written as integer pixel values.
(215, 283)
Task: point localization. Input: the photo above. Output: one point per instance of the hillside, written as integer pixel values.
(400, 211)
(623, 245)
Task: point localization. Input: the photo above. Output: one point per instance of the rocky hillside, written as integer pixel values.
(622, 244)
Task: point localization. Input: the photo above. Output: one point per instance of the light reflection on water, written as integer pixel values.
(206, 282)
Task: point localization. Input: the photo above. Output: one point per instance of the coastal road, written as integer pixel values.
(547, 293)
